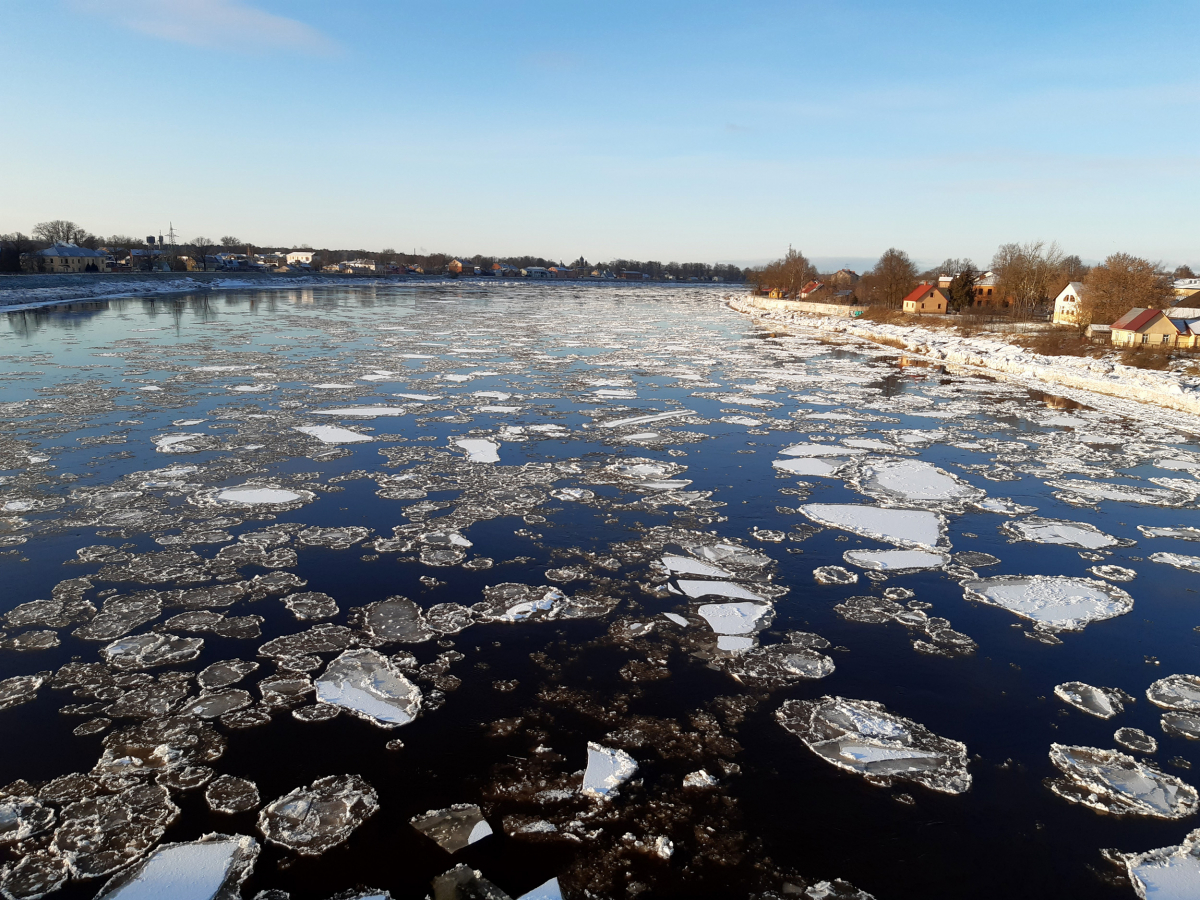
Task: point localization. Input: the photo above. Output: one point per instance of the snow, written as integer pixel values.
(606, 771)
(903, 527)
(1054, 602)
(192, 871)
(1057, 531)
(331, 434)
(736, 618)
(480, 450)
(252, 495)
(1169, 873)
(370, 687)
(811, 450)
(896, 560)
(548, 891)
(697, 589)
(1178, 560)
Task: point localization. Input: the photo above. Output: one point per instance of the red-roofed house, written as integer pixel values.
(1154, 327)
(811, 288)
(925, 299)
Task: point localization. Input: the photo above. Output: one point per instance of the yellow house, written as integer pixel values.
(1153, 328)
(926, 299)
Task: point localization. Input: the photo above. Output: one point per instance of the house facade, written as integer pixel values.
(300, 257)
(60, 258)
(926, 299)
(1066, 304)
(986, 286)
(1153, 327)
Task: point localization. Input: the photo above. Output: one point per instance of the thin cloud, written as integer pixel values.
(226, 24)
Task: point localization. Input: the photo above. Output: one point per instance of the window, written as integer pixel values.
(989, 292)
(1145, 338)
(1165, 337)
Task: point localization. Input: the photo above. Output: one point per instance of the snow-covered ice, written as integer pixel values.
(1056, 603)
(1169, 873)
(903, 527)
(736, 618)
(896, 561)
(1059, 531)
(332, 434)
(366, 684)
(607, 770)
(211, 868)
(481, 451)
(1114, 782)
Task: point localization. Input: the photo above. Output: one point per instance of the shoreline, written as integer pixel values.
(1167, 391)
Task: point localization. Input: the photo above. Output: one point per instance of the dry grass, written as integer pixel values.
(1143, 356)
(884, 315)
(1059, 342)
(891, 342)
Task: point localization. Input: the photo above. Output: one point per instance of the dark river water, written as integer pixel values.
(607, 429)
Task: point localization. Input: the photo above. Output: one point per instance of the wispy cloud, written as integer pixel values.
(229, 24)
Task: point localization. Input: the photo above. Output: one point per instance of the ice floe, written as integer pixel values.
(360, 412)
(607, 770)
(332, 434)
(1104, 703)
(1059, 531)
(737, 618)
(1114, 782)
(896, 561)
(913, 481)
(1178, 560)
(453, 828)
(1135, 739)
(1178, 692)
(1054, 603)
(903, 527)
(211, 868)
(311, 820)
(861, 736)
(367, 685)
(481, 451)
(1169, 873)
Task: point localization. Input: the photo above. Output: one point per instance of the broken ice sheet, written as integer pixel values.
(896, 562)
(1178, 692)
(146, 651)
(1169, 873)
(480, 451)
(332, 434)
(807, 466)
(1059, 531)
(697, 589)
(861, 736)
(1178, 560)
(311, 820)
(1053, 603)
(607, 770)
(914, 481)
(211, 868)
(903, 527)
(682, 565)
(454, 828)
(367, 685)
(737, 618)
(1104, 703)
(1114, 782)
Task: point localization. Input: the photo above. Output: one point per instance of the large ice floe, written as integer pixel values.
(1052, 603)
(896, 562)
(1114, 782)
(211, 868)
(366, 684)
(1177, 692)
(1104, 703)
(1059, 531)
(903, 527)
(861, 736)
(607, 770)
(311, 820)
(915, 483)
(480, 450)
(1169, 873)
(1178, 560)
(332, 434)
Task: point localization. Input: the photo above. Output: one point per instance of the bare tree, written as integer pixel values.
(1184, 272)
(12, 248)
(229, 242)
(60, 231)
(1026, 274)
(1121, 283)
(894, 277)
(199, 250)
(789, 274)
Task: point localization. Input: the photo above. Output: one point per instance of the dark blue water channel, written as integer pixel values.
(73, 378)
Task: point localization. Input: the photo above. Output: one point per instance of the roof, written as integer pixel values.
(1074, 287)
(70, 250)
(1135, 319)
(919, 291)
(1183, 312)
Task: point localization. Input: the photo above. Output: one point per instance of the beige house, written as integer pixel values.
(1152, 327)
(66, 258)
(1066, 304)
(926, 299)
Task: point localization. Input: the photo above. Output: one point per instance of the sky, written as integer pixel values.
(659, 129)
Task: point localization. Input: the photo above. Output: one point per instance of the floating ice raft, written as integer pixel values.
(1169, 873)
(1104, 703)
(1114, 782)
(607, 770)
(332, 434)
(212, 868)
(903, 527)
(367, 685)
(1054, 603)
(1059, 531)
(861, 736)
(914, 481)
(896, 561)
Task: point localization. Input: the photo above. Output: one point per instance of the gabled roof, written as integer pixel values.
(1136, 318)
(70, 250)
(1073, 287)
(919, 291)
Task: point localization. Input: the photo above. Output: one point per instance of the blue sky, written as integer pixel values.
(689, 131)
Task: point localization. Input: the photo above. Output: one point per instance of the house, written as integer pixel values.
(634, 276)
(1152, 327)
(811, 288)
(1185, 287)
(844, 277)
(560, 272)
(986, 286)
(925, 299)
(300, 257)
(501, 270)
(535, 272)
(67, 258)
(1066, 304)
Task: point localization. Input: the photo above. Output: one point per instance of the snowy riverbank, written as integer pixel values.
(1103, 376)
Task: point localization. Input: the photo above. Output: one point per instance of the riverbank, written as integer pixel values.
(1171, 390)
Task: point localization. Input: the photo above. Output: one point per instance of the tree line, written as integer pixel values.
(1021, 281)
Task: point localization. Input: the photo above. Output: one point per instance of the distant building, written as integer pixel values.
(67, 258)
(535, 272)
(811, 288)
(844, 277)
(1185, 287)
(560, 272)
(634, 276)
(926, 299)
(1152, 327)
(300, 257)
(1066, 304)
(985, 289)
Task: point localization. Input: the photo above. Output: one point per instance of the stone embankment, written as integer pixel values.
(1172, 390)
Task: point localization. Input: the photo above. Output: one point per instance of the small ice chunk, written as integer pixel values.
(861, 736)
(1059, 531)
(480, 451)
(1135, 739)
(606, 771)
(548, 891)
(677, 619)
(1055, 603)
(332, 434)
(816, 468)
(1169, 873)
(699, 779)
(455, 828)
(697, 589)
(212, 868)
(1104, 703)
(682, 565)
(1114, 782)
(903, 527)
(367, 684)
(896, 561)
(1178, 560)
(230, 795)
(834, 575)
